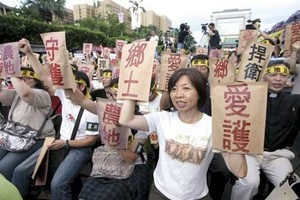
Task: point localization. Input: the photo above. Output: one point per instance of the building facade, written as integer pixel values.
(229, 23)
(151, 18)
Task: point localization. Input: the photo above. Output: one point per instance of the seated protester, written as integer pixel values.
(7, 190)
(80, 149)
(106, 80)
(137, 186)
(30, 104)
(282, 127)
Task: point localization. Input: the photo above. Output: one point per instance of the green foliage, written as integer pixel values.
(13, 28)
(43, 9)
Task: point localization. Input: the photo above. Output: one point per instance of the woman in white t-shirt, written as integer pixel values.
(184, 137)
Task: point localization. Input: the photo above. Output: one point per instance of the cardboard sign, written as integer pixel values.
(87, 48)
(111, 133)
(238, 117)
(88, 69)
(136, 70)
(41, 167)
(2, 70)
(221, 71)
(292, 35)
(201, 51)
(254, 61)
(246, 36)
(57, 56)
(11, 59)
(170, 62)
(119, 47)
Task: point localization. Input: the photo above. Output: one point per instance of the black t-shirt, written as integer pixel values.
(282, 121)
(182, 35)
(101, 93)
(214, 40)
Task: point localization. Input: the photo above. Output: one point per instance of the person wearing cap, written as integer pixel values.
(30, 104)
(282, 127)
(80, 149)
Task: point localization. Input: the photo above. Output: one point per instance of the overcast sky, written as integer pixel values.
(196, 12)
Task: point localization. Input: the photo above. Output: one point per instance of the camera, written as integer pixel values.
(184, 27)
(253, 24)
(204, 27)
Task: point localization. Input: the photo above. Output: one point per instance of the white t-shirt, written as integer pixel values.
(176, 179)
(89, 124)
(154, 38)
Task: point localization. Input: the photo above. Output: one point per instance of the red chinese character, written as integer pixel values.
(129, 81)
(8, 52)
(174, 62)
(221, 68)
(53, 46)
(9, 67)
(248, 35)
(111, 137)
(167, 80)
(136, 55)
(240, 135)
(237, 96)
(56, 74)
(85, 69)
(111, 113)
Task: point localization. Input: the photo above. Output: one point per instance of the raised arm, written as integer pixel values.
(36, 65)
(236, 163)
(292, 60)
(128, 119)
(23, 90)
(79, 99)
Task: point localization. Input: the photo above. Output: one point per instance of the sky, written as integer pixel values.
(196, 12)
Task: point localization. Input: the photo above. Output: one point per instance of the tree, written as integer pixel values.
(43, 9)
(135, 10)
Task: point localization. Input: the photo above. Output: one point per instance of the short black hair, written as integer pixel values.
(198, 82)
(79, 75)
(278, 62)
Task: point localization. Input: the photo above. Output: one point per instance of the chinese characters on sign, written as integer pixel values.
(254, 60)
(135, 71)
(111, 133)
(245, 36)
(292, 35)
(170, 62)
(60, 69)
(11, 60)
(221, 71)
(239, 126)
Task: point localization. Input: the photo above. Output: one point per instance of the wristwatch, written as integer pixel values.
(67, 145)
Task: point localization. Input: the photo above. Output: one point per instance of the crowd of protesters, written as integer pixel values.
(178, 117)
